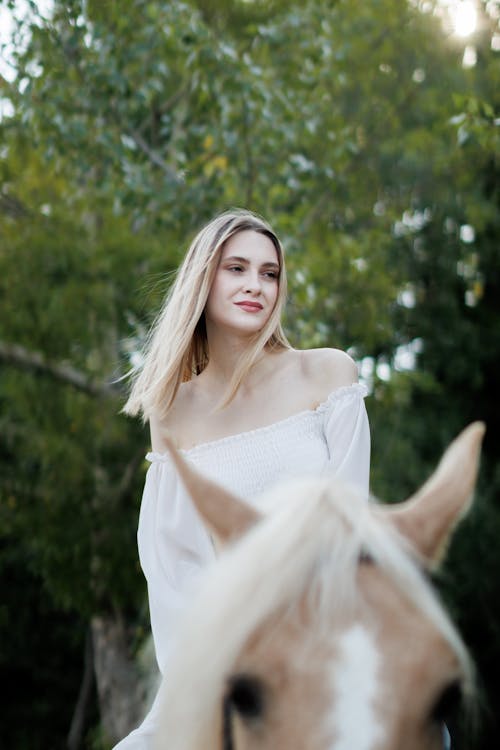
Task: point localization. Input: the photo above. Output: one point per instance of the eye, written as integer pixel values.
(448, 704)
(245, 695)
(237, 269)
(365, 557)
(447, 708)
(271, 274)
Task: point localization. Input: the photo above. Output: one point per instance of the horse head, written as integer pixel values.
(317, 627)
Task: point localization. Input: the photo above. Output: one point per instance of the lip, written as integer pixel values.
(250, 306)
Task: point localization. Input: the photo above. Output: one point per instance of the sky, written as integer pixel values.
(7, 30)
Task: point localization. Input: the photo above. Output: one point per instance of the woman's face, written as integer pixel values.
(245, 287)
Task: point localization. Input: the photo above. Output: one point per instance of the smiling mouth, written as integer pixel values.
(250, 306)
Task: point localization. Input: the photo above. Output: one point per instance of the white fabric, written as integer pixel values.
(174, 544)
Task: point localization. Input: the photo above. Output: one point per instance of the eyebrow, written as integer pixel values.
(240, 259)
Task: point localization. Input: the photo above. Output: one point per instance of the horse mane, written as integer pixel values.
(310, 542)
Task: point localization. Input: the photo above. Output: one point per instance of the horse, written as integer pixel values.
(317, 628)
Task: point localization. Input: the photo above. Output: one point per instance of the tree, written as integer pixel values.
(357, 132)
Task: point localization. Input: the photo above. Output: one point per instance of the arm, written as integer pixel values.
(347, 434)
(334, 376)
(173, 546)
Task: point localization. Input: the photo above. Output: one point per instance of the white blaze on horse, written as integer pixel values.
(316, 628)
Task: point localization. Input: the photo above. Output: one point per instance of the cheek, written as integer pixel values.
(272, 293)
(216, 293)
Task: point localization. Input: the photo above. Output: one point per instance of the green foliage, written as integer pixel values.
(40, 659)
(355, 130)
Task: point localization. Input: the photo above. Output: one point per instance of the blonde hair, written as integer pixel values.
(176, 347)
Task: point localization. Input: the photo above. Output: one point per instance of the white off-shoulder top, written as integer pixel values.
(173, 542)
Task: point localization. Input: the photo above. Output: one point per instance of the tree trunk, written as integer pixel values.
(123, 683)
(75, 734)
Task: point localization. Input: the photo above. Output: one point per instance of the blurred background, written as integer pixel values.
(367, 134)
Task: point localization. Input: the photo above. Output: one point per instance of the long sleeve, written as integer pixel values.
(347, 434)
(173, 546)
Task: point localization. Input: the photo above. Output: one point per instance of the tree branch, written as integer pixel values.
(153, 156)
(74, 739)
(129, 474)
(24, 359)
(168, 105)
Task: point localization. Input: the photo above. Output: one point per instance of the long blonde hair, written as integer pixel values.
(176, 347)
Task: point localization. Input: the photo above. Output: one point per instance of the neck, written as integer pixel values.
(225, 350)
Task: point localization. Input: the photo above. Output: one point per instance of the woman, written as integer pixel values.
(220, 378)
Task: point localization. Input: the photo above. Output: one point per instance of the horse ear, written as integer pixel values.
(226, 515)
(429, 517)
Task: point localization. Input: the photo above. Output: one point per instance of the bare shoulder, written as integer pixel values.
(328, 369)
(171, 423)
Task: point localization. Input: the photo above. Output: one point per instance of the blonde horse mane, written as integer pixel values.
(310, 544)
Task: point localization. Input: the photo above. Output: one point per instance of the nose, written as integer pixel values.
(252, 284)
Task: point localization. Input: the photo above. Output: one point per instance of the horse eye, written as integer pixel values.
(245, 695)
(447, 707)
(365, 557)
